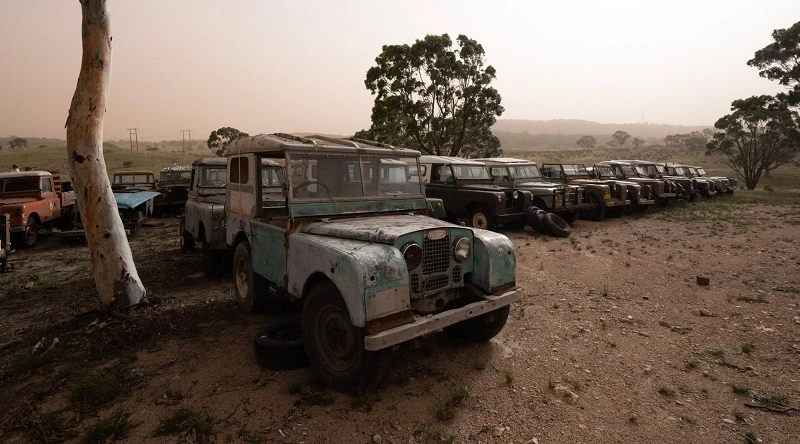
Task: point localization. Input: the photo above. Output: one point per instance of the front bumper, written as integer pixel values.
(572, 208)
(423, 325)
(646, 202)
(667, 196)
(618, 203)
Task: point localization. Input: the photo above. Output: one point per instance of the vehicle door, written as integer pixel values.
(52, 204)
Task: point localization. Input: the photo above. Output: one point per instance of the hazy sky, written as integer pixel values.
(267, 66)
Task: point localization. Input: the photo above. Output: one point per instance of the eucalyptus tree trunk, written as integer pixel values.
(115, 275)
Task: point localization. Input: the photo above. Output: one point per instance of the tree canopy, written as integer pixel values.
(638, 143)
(18, 142)
(220, 139)
(761, 133)
(586, 142)
(780, 60)
(434, 97)
(621, 137)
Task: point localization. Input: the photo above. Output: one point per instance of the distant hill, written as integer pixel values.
(586, 127)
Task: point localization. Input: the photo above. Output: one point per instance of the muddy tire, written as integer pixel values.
(555, 225)
(533, 217)
(212, 261)
(334, 346)
(248, 287)
(187, 242)
(30, 236)
(279, 345)
(597, 213)
(480, 217)
(481, 328)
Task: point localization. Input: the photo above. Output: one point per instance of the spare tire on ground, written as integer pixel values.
(533, 217)
(555, 225)
(279, 345)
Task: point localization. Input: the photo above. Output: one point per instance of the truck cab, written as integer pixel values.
(34, 200)
(354, 245)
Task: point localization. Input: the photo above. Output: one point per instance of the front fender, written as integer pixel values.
(495, 261)
(372, 278)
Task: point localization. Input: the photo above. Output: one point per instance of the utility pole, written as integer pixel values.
(131, 133)
(183, 145)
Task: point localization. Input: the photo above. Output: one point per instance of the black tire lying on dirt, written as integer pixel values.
(279, 345)
(533, 217)
(555, 225)
(481, 328)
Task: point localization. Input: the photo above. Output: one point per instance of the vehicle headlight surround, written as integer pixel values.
(412, 253)
(216, 216)
(515, 194)
(462, 249)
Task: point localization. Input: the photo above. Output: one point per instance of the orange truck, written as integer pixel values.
(34, 200)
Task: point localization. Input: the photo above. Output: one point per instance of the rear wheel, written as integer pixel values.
(481, 328)
(250, 295)
(335, 347)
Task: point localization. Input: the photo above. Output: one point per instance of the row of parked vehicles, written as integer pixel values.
(376, 245)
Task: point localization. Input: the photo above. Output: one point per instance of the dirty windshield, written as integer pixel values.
(605, 171)
(332, 176)
(170, 176)
(575, 170)
(212, 177)
(629, 170)
(526, 172)
(477, 172)
(701, 171)
(133, 178)
(18, 184)
(648, 170)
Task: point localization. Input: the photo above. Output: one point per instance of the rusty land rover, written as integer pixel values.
(35, 200)
(519, 174)
(466, 188)
(601, 193)
(358, 251)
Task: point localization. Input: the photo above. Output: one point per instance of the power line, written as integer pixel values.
(183, 143)
(131, 133)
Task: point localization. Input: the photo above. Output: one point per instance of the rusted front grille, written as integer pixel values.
(436, 282)
(435, 255)
(438, 271)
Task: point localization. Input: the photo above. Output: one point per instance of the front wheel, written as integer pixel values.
(31, 234)
(481, 328)
(335, 347)
(481, 218)
(598, 212)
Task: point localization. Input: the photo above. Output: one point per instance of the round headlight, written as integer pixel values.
(412, 253)
(515, 195)
(461, 249)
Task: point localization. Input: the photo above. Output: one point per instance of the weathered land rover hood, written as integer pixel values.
(537, 184)
(16, 201)
(380, 229)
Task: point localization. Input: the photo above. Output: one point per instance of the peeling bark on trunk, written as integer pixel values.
(115, 275)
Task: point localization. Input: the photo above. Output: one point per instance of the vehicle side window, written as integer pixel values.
(499, 173)
(444, 174)
(46, 185)
(239, 171)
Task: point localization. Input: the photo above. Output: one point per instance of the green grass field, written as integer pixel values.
(55, 158)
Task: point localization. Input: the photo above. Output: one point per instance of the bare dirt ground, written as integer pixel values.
(614, 342)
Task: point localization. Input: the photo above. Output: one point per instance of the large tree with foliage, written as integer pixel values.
(220, 139)
(621, 137)
(761, 132)
(780, 60)
(586, 142)
(435, 97)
